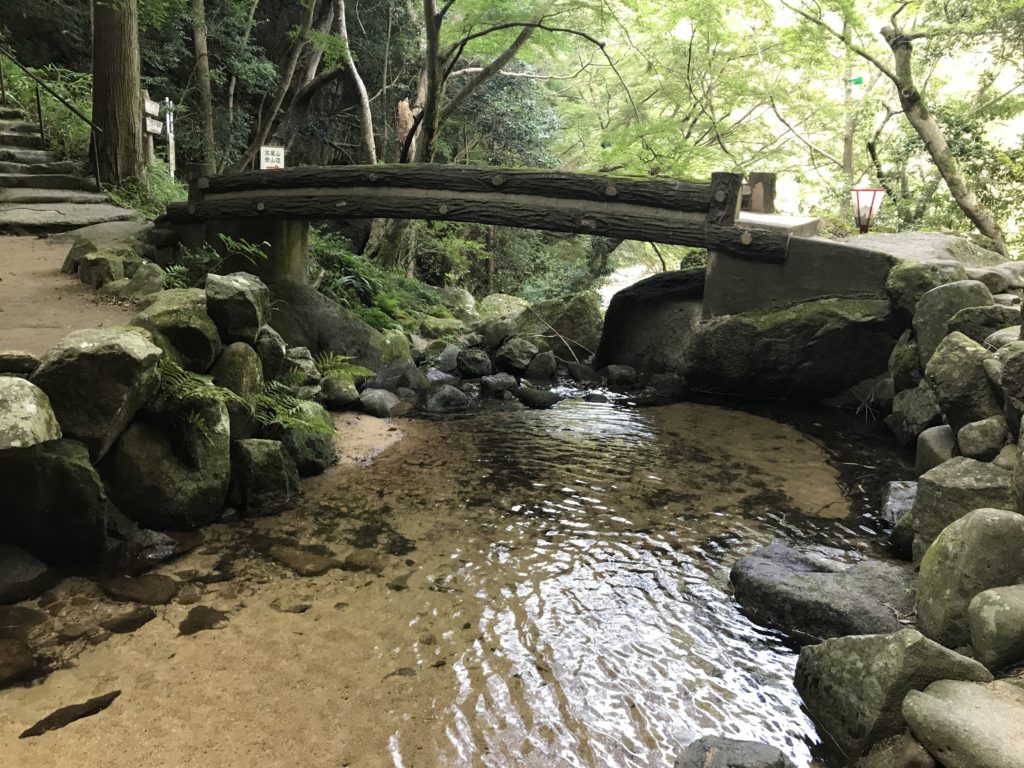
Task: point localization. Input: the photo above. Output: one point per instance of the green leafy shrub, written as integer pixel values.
(151, 195)
(66, 134)
(192, 265)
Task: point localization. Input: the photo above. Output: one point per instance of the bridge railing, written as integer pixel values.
(693, 213)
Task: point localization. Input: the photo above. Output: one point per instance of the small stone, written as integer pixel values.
(150, 589)
(17, 363)
(17, 662)
(982, 440)
(338, 393)
(300, 359)
(130, 621)
(498, 383)
(271, 349)
(21, 575)
(289, 605)
(913, 411)
(364, 560)
(515, 355)
(446, 399)
(474, 363)
(898, 499)
(378, 402)
(619, 376)
(934, 446)
(538, 398)
(26, 417)
(721, 752)
(303, 562)
(542, 368)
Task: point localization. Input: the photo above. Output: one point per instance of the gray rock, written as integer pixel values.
(671, 386)
(1007, 457)
(619, 376)
(904, 364)
(460, 302)
(910, 279)
(934, 446)
(969, 725)
(162, 487)
(542, 368)
(499, 382)
(581, 373)
(897, 752)
(474, 363)
(1001, 338)
(901, 537)
(97, 380)
(271, 350)
(936, 307)
(810, 351)
(983, 440)
(981, 550)
(956, 373)
(338, 393)
(378, 402)
(239, 305)
(181, 327)
(446, 399)
(17, 363)
(913, 411)
(501, 305)
(853, 687)
(98, 269)
(996, 621)
(720, 752)
(515, 355)
(898, 499)
(650, 325)
(434, 376)
(54, 503)
(397, 375)
(495, 331)
(571, 325)
(811, 596)
(148, 589)
(301, 359)
(306, 318)
(448, 359)
(1013, 271)
(264, 478)
(148, 279)
(26, 417)
(951, 490)
(995, 280)
(979, 323)
(539, 399)
(441, 327)
(1007, 299)
(238, 369)
(1013, 375)
(17, 662)
(22, 576)
(311, 447)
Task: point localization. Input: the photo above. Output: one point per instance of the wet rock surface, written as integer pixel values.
(718, 752)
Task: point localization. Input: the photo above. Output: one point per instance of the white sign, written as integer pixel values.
(156, 127)
(271, 158)
(151, 107)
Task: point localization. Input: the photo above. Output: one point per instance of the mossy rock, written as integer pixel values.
(181, 327)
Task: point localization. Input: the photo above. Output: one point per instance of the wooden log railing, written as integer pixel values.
(699, 214)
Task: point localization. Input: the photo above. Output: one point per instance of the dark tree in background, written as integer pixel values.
(117, 94)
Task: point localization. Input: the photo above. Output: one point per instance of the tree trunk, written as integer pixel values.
(233, 82)
(209, 144)
(365, 115)
(931, 134)
(117, 90)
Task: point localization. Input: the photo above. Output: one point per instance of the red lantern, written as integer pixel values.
(866, 202)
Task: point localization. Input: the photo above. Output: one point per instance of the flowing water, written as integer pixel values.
(543, 588)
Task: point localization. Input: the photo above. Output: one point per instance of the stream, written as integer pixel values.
(522, 588)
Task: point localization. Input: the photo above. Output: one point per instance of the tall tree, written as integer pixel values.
(209, 145)
(117, 89)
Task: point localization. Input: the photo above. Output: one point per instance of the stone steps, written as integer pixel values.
(24, 140)
(41, 194)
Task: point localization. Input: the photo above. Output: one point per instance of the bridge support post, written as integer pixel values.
(287, 255)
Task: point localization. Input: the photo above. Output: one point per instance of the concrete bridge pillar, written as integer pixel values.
(287, 252)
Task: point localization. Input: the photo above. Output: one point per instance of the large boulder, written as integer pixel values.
(501, 305)
(311, 443)
(720, 752)
(26, 417)
(1012, 375)
(22, 576)
(54, 503)
(969, 725)
(904, 364)
(812, 350)
(913, 411)
(978, 323)
(571, 325)
(264, 478)
(956, 373)
(853, 686)
(181, 327)
(934, 446)
(239, 305)
(460, 302)
(494, 331)
(338, 393)
(172, 473)
(474, 363)
(378, 402)
(812, 597)
(99, 268)
(938, 306)
(96, 381)
(148, 279)
(272, 352)
(981, 550)
(650, 324)
(543, 368)
(515, 355)
(996, 620)
(238, 369)
(446, 399)
(951, 490)
(306, 318)
(16, 362)
(983, 440)
(910, 279)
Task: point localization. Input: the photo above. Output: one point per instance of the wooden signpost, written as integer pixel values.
(157, 125)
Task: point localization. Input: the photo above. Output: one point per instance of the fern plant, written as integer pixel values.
(194, 264)
(339, 367)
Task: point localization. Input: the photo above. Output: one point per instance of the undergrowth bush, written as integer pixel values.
(151, 195)
(381, 298)
(66, 134)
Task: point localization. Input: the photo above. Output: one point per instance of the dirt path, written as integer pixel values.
(38, 304)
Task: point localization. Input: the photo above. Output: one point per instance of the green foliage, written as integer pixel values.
(338, 366)
(66, 134)
(384, 299)
(192, 265)
(149, 196)
(277, 407)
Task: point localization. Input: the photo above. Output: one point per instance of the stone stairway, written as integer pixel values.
(40, 194)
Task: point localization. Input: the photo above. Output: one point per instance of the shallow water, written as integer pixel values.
(545, 588)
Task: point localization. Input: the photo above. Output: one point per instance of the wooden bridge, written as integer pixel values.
(277, 206)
